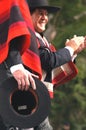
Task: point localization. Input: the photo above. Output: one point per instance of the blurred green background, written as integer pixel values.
(69, 103)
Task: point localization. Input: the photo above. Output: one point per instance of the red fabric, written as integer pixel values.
(59, 77)
(51, 94)
(15, 21)
(13, 25)
(52, 48)
(35, 65)
(66, 74)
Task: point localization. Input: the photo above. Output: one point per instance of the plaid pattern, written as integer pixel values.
(15, 22)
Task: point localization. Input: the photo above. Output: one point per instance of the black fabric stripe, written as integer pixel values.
(15, 16)
(33, 45)
(4, 31)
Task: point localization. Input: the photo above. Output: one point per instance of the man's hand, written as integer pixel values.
(82, 45)
(77, 43)
(24, 78)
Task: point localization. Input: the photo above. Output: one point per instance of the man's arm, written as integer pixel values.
(14, 63)
(50, 60)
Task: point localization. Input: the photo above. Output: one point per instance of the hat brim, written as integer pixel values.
(50, 9)
(11, 117)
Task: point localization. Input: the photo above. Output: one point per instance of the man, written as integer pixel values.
(49, 60)
(15, 35)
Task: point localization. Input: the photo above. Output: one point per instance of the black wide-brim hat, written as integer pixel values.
(23, 109)
(33, 4)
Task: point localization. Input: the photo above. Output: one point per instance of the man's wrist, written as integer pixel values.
(70, 50)
(16, 67)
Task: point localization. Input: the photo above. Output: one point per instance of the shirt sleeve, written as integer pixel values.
(14, 56)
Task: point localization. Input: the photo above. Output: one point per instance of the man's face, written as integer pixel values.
(40, 19)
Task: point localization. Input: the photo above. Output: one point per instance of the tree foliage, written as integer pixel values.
(69, 103)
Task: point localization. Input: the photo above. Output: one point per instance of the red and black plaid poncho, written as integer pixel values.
(15, 21)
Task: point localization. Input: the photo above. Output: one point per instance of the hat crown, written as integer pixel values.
(33, 4)
(37, 3)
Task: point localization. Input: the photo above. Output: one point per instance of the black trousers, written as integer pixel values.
(4, 74)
